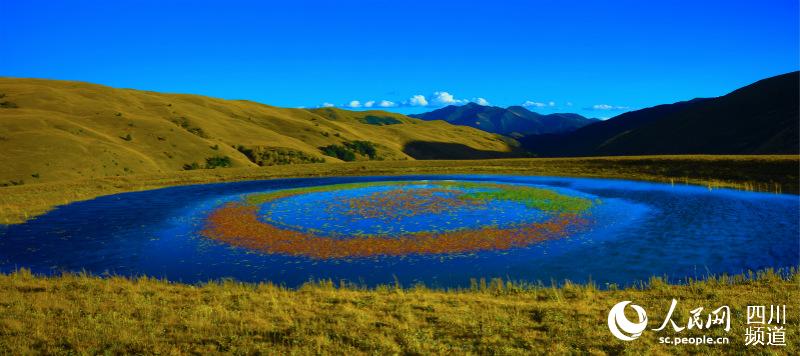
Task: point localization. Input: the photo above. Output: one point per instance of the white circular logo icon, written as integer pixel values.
(621, 327)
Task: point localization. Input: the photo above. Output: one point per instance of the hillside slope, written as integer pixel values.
(514, 121)
(58, 130)
(761, 118)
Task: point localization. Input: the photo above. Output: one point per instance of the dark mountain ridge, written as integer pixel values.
(761, 118)
(514, 121)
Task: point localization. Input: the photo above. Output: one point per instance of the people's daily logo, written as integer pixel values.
(623, 328)
(761, 330)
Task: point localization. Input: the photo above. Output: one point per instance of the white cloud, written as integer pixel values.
(437, 99)
(569, 103)
(538, 104)
(443, 98)
(534, 104)
(481, 101)
(606, 107)
(418, 100)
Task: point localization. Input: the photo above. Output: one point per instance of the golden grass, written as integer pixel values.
(63, 130)
(83, 314)
(758, 173)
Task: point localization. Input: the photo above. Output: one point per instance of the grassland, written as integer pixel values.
(54, 130)
(758, 173)
(83, 314)
(62, 142)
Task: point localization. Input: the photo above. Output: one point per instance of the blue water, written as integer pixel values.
(642, 229)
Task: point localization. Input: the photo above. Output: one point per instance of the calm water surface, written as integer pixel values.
(642, 229)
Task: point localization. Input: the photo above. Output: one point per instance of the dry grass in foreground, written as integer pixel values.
(758, 173)
(83, 314)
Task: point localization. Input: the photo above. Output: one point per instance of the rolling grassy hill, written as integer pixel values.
(761, 118)
(58, 130)
(514, 121)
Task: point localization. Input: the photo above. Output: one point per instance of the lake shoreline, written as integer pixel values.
(769, 173)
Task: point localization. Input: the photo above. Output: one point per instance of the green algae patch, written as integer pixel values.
(535, 198)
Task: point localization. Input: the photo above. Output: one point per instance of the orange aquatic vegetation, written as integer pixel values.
(238, 224)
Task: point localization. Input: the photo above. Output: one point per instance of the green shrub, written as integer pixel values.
(197, 131)
(127, 137)
(379, 120)
(8, 105)
(338, 151)
(269, 156)
(185, 124)
(365, 148)
(348, 150)
(218, 162)
(211, 163)
(191, 166)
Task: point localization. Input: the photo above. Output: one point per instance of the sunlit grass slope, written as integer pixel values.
(59, 130)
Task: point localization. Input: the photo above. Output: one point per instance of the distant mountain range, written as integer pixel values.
(514, 121)
(761, 118)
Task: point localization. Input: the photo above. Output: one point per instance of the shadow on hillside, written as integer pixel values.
(449, 150)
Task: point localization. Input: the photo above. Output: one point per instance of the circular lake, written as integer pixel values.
(440, 230)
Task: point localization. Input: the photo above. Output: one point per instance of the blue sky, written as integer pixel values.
(596, 58)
